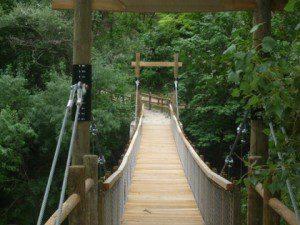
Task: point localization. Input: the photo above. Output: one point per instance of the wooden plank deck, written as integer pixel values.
(160, 194)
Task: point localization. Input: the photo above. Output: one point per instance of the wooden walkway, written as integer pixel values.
(160, 194)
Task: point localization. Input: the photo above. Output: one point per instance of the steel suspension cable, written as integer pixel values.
(68, 163)
(137, 83)
(56, 154)
(237, 138)
(288, 183)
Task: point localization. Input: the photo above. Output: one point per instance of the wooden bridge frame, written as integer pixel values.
(259, 210)
(137, 64)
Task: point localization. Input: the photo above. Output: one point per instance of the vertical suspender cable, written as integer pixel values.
(288, 184)
(57, 150)
(64, 185)
(176, 96)
(137, 83)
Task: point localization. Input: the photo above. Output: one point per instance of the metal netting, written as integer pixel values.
(115, 198)
(216, 205)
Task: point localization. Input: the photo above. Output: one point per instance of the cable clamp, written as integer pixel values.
(229, 161)
(72, 96)
(176, 84)
(137, 82)
(101, 160)
(80, 93)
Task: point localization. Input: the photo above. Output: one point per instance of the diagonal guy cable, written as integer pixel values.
(57, 150)
(64, 185)
(288, 183)
(236, 140)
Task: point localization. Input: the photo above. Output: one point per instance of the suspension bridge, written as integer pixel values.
(161, 179)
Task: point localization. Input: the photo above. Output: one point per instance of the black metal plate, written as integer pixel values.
(83, 73)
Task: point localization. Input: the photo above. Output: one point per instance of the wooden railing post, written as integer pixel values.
(150, 100)
(77, 185)
(270, 217)
(101, 212)
(258, 155)
(91, 200)
(236, 204)
(161, 104)
(140, 103)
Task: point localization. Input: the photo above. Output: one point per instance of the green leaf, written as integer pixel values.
(256, 27)
(233, 77)
(235, 92)
(230, 49)
(297, 27)
(290, 6)
(268, 44)
(253, 100)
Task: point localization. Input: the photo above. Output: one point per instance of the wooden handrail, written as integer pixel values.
(216, 178)
(281, 209)
(155, 96)
(70, 204)
(111, 180)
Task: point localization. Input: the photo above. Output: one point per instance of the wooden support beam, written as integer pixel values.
(169, 5)
(91, 171)
(76, 185)
(150, 100)
(176, 62)
(270, 217)
(137, 65)
(237, 220)
(82, 55)
(156, 64)
(258, 149)
(101, 215)
(259, 212)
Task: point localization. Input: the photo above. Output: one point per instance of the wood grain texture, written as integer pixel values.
(160, 193)
(156, 64)
(169, 5)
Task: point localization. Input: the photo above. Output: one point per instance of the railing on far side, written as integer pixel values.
(116, 187)
(217, 198)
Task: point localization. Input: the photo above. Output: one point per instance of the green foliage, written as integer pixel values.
(221, 77)
(38, 39)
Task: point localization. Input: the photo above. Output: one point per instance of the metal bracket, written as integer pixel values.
(83, 73)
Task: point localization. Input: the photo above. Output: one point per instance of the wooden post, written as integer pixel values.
(262, 15)
(161, 104)
(91, 171)
(150, 100)
(258, 154)
(82, 55)
(236, 205)
(77, 185)
(176, 60)
(137, 66)
(270, 217)
(258, 140)
(138, 75)
(101, 204)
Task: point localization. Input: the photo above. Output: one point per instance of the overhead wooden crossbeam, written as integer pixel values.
(170, 5)
(138, 64)
(156, 64)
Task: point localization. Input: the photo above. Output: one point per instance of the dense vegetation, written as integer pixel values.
(222, 76)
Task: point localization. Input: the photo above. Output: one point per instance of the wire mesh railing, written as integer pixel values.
(116, 187)
(217, 198)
